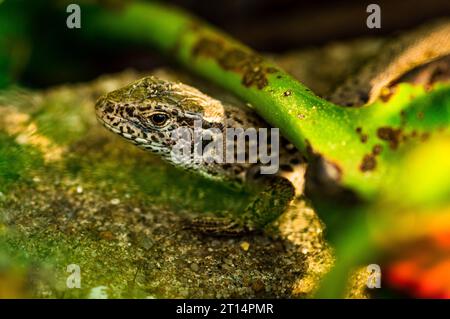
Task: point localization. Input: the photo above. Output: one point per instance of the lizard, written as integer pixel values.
(145, 113)
(148, 111)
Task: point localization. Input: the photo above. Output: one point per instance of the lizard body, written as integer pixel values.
(148, 110)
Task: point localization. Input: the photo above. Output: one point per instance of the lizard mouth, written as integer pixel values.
(120, 123)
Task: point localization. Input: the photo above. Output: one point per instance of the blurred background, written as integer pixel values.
(57, 54)
(39, 52)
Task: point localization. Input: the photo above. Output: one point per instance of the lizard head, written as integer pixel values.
(147, 111)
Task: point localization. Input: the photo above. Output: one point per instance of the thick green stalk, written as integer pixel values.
(310, 122)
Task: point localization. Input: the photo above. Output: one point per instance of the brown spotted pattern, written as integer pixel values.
(131, 110)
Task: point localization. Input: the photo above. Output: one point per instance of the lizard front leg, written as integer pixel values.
(274, 196)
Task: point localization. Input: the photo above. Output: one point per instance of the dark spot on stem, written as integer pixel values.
(208, 47)
(420, 115)
(369, 163)
(377, 149)
(364, 138)
(390, 135)
(425, 136)
(403, 118)
(248, 64)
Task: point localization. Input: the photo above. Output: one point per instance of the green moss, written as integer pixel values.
(42, 259)
(60, 120)
(156, 182)
(16, 161)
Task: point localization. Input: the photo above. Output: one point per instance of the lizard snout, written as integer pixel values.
(103, 108)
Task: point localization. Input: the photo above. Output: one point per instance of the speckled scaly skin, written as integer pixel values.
(146, 113)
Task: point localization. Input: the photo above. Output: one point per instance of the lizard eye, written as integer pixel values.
(159, 119)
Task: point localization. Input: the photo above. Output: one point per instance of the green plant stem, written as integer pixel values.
(307, 120)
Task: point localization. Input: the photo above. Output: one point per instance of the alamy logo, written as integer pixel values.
(212, 145)
(73, 21)
(374, 278)
(374, 19)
